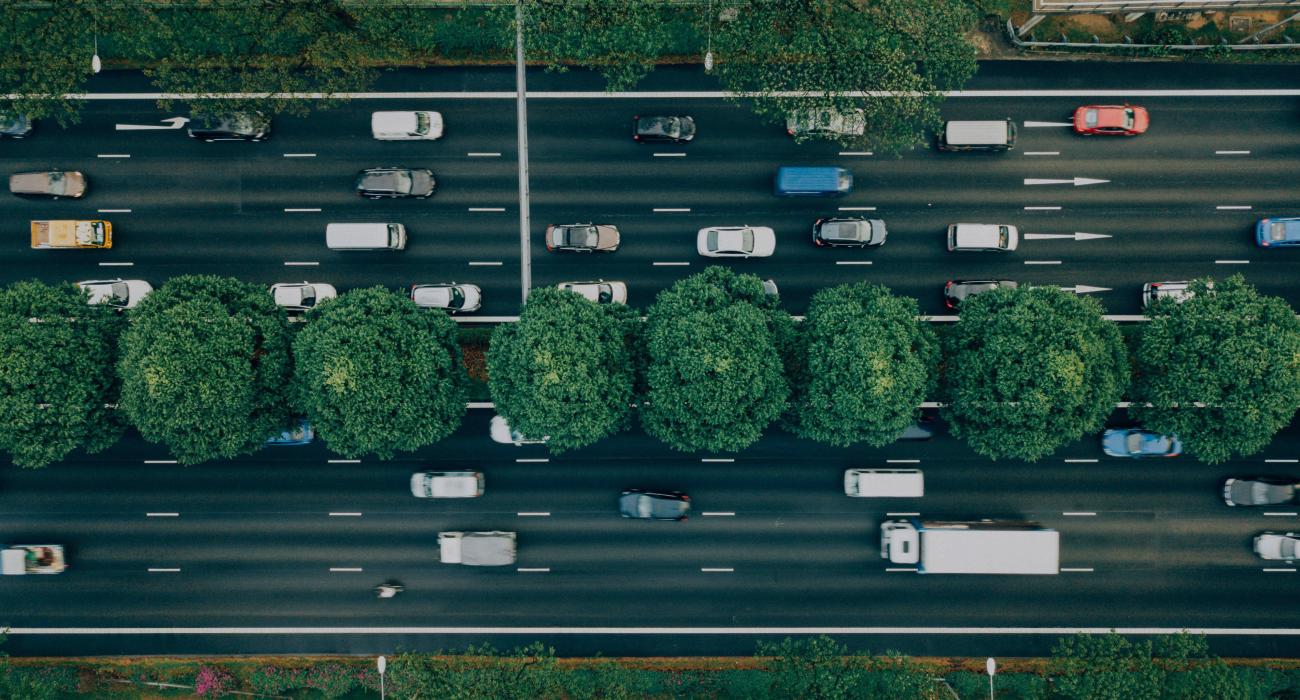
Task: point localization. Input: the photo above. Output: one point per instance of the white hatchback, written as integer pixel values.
(736, 242)
(420, 125)
(447, 484)
(118, 293)
(302, 296)
(599, 291)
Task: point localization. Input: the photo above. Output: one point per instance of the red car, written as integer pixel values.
(1110, 120)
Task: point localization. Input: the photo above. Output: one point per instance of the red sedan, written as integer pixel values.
(1110, 120)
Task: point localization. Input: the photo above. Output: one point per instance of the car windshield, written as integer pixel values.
(1129, 118)
(1287, 548)
(120, 293)
(1003, 236)
(422, 123)
(604, 293)
(457, 298)
(746, 240)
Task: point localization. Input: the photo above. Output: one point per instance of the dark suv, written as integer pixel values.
(672, 129)
(394, 183)
(242, 126)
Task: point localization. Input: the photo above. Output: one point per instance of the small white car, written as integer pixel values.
(827, 122)
(599, 291)
(736, 242)
(1277, 546)
(302, 296)
(449, 297)
(420, 125)
(447, 484)
(501, 432)
(1178, 291)
(118, 293)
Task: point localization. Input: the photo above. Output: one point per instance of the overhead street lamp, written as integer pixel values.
(991, 667)
(383, 666)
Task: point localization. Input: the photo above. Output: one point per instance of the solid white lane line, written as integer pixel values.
(664, 210)
(857, 208)
(113, 211)
(894, 569)
(1079, 514)
(345, 569)
(162, 515)
(1042, 208)
(299, 155)
(487, 208)
(113, 155)
(486, 263)
(1233, 207)
(718, 459)
(483, 155)
(116, 264)
(719, 570)
(345, 515)
(1232, 153)
(902, 515)
(343, 461)
(1281, 515)
(1087, 570)
(300, 210)
(669, 155)
(852, 262)
(1042, 153)
(160, 461)
(537, 514)
(546, 570)
(720, 514)
(1281, 461)
(1081, 461)
(1231, 262)
(857, 153)
(153, 570)
(301, 263)
(1042, 262)
(902, 461)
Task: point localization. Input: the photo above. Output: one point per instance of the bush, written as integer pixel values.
(213, 682)
(331, 679)
(273, 680)
(1008, 686)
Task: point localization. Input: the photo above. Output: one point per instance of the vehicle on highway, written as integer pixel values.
(582, 238)
(971, 546)
(599, 291)
(418, 125)
(501, 432)
(302, 296)
(68, 233)
(817, 181)
(1277, 546)
(300, 434)
(826, 122)
(1260, 491)
(374, 236)
(770, 289)
(736, 242)
(54, 184)
(654, 505)
(23, 559)
(672, 129)
(236, 126)
(849, 232)
(495, 548)
(983, 237)
(14, 126)
(957, 291)
(1177, 291)
(1270, 233)
(118, 293)
(450, 297)
(1110, 120)
(395, 183)
(1137, 443)
(447, 484)
(884, 483)
(999, 135)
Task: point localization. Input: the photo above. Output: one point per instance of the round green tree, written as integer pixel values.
(205, 362)
(563, 370)
(375, 374)
(867, 363)
(58, 372)
(1220, 370)
(715, 377)
(1029, 369)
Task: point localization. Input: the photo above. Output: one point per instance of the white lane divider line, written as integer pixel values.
(902, 461)
(670, 264)
(345, 569)
(1281, 515)
(1233, 207)
(160, 461)
(1232, 153)
(720, 514)
(896, 569)
(533, 460)
(1231, 262)
(117, 264)
(724, 460)
(1092, 460)
(1279, 571)
(1281, 461)
(1042, 153)
(488, 209)
(857, 208)
(1080, 513)
(1081, 570)
(343, 461)
(857, 153)
(671, 210)
(486, 263)
(537, 514)
(162, 515)
(299, 155)
(718, 570)
(113, 211)
(154, 570)
(852, 262)
(902, 515)
(345, 515)
(301, 263)
(1042, 208)
(669, 155)
(1042, 262)
(113, 155)
(545, 570)
(483, 155)
(300, 210)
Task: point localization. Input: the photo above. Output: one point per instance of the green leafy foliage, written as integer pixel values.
(524, 673)
(45, 52)
(204, 365)
(377, 374)
(819, 668)
(913, 50)
(1173, 667)
(58, 370)
(563, 370)
(867, 363)
(1029, 369)
(715, 375)
(1220, 370)
(620, 38)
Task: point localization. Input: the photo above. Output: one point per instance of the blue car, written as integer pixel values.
(299, 434)
(1137, 443)
(1271, 233)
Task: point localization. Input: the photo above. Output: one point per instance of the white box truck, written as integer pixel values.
(477, 548)
(971, 547)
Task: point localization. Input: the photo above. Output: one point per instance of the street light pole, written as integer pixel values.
(383, 666)
(95, 65)
(991, 667)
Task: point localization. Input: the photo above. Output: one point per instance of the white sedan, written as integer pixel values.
(599, 291)
(447, 484)
(302, 296)
(420, 125)
(118, 293)
(449, 297)
(736, 242)
(1276, 546)
(501, 432)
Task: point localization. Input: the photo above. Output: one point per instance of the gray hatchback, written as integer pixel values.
(1260, 491)
(654, 505)
(393, 183)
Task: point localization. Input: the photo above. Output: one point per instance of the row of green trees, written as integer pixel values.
(210, 368)
(766, 53)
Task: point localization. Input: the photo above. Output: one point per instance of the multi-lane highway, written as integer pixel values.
(176, 558)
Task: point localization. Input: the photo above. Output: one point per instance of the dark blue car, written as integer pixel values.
(1271, 233)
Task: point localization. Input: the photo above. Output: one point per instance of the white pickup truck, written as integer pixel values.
(22, 559)
(477, 548)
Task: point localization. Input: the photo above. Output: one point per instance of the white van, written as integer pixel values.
(884, 483)
(365, 236)
(997, 135)
(981, 237)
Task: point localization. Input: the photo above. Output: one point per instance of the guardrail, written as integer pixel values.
(1022, 44)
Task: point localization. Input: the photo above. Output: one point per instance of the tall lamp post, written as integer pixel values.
(991, 667)
(383, 666)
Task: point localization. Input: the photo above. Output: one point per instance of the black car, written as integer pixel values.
(14, 126)
(392, 183)
(654, 505)
(241, 126)
(954, 293)
(671, 129)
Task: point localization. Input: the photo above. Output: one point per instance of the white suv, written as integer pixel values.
(998, 237)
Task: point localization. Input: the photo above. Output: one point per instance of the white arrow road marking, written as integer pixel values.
(1076, 181)
(1084, 289)
(173, 123)
(1034, 124)
(1077, 235)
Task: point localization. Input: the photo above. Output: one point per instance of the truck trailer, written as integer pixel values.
(971, 547)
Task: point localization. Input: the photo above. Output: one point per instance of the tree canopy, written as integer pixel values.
(1029, 369)
(563, 370)
(375, 374)
(866, 363)
(58, 371)
(1221, 370)
(620, 38)
(716, 375)
(1174, 667)
(819, 668)
(204, 366)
